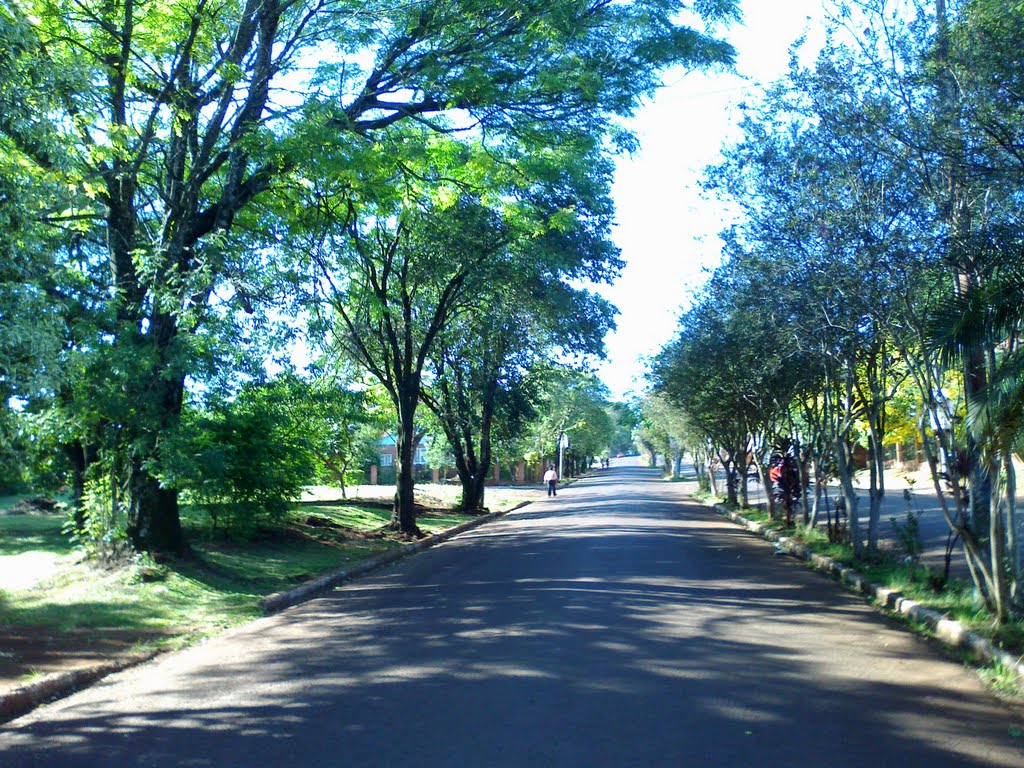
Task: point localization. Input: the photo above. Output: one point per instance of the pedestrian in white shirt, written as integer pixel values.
(551, 478)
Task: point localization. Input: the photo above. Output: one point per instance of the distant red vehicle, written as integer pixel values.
(618, 455)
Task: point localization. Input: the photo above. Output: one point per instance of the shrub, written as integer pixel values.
(242, 462)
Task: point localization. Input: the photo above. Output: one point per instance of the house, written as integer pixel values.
(387, 452)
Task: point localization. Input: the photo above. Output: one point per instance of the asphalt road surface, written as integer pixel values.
(615, 625)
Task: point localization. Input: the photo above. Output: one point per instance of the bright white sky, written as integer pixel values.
(667, 233)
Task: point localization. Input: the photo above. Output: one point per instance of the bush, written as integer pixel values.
(242, 463)
(355, 477)
(99, 526)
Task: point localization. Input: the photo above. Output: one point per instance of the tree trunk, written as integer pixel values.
(403, 515)
(959, 216)
(998, 554)
(339, 471)
(805, 485)
(484, 457)
(712, 478)
(819, 486)
(154, 522)
(766, 483)
(844, 460)
(477, 491)
(876, 494)
(78, 456)
(473, 479)
(730, 481)
(465, 467)
(472, 463)
(1012, 538)
(741, 470)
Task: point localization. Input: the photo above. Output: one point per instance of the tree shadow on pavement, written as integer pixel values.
(644, 636)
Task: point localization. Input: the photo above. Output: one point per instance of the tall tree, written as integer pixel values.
(405, 280)
(669, 429)
(970, 180)
(526, 309)
(573, 424)
(181, 116)
(477, 379)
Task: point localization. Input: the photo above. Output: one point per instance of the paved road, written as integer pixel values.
(616, 625)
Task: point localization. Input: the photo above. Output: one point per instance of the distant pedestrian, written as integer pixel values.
(551, 478)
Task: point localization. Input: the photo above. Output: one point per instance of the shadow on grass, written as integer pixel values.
(260, 568)
(84, 614)
(33, 533)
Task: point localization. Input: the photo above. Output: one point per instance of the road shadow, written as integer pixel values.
(591, 631)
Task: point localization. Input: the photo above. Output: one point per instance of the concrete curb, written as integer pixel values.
(948, 630)
(22, 700)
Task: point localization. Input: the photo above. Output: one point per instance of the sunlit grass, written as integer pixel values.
(177, 609)
(364, 518)
(260, 568)
(218, 586)
(1006, 683)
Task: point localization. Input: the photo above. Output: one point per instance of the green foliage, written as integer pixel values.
(626, 418)
(99, 527)
(340, 424)
(33, 533)
(13, 475)
(664, 428)
(908, 535)
(146, 166)
(243, 461)
(870, 291)
(1006, 682)
(573, 403)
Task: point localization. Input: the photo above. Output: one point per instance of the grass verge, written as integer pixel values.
(63, 604)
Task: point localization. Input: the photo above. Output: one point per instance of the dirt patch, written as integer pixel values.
(38, 505)
(323, 529)
(30, 652)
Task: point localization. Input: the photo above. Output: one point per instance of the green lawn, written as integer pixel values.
(33, 533)
(217, 587)
(6, 502)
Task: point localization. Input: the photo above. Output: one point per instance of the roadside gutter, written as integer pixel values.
(947, 630)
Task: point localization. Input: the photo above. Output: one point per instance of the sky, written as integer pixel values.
(666, 232)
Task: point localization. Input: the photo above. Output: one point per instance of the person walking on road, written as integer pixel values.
(551, 478)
